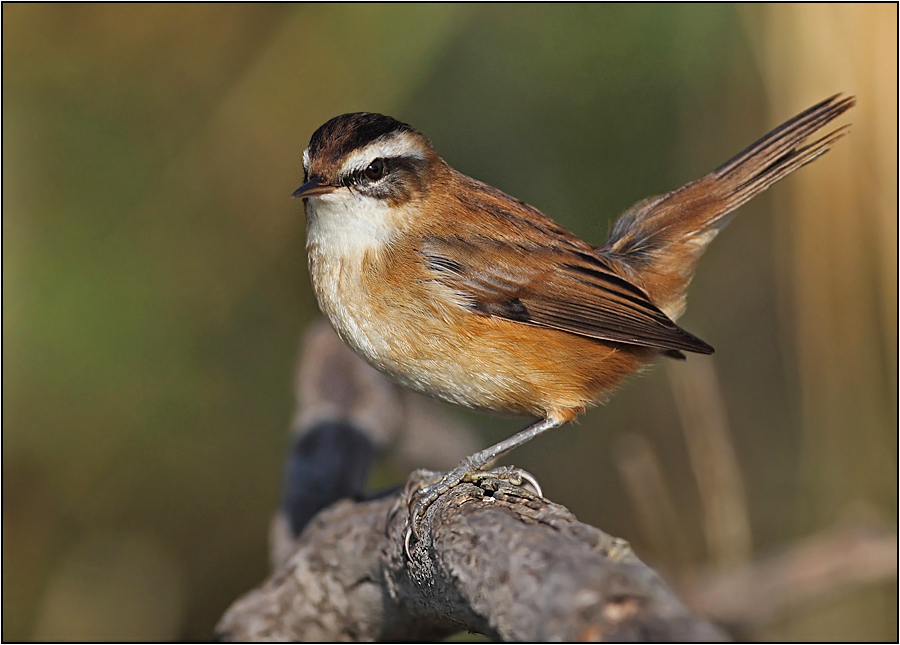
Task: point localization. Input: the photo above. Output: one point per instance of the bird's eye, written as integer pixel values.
(375, 170)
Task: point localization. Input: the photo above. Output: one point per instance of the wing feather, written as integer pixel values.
(552, 285)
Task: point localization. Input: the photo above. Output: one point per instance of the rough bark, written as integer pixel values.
(492, 559)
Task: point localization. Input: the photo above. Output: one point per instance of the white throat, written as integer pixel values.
(345, 225)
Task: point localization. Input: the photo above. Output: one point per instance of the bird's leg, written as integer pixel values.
(470, 469)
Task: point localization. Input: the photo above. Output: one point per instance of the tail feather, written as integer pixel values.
(785, 166)
(778, 154)
(663, 237)
(790, 133)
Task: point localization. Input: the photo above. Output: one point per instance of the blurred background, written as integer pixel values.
(155, 286)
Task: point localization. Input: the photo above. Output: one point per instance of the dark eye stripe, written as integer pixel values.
(408, 163)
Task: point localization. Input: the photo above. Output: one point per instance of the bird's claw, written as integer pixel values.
(512, 474)
(419, 496)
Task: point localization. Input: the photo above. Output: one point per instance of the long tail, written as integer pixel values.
(662, 238)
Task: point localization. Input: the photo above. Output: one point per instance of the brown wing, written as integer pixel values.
(552, 283)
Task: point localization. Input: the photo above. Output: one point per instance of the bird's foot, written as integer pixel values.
(423, 489)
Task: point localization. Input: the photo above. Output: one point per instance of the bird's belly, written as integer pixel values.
(424, 339)
(483, 362)
(409, 339)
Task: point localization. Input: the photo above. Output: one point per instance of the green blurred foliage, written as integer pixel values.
(154, 274)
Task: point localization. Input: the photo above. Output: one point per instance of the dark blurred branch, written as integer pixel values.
(347, 413)
(493, 559)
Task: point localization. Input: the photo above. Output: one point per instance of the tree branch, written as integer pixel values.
(493, 559)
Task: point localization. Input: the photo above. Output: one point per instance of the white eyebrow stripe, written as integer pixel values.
(306, 160)
(397, 144)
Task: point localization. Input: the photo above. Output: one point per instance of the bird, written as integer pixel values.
(456, 290)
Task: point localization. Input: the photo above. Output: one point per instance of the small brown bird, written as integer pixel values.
(455, 289)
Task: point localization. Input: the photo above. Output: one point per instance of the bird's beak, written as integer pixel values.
(314, 187)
